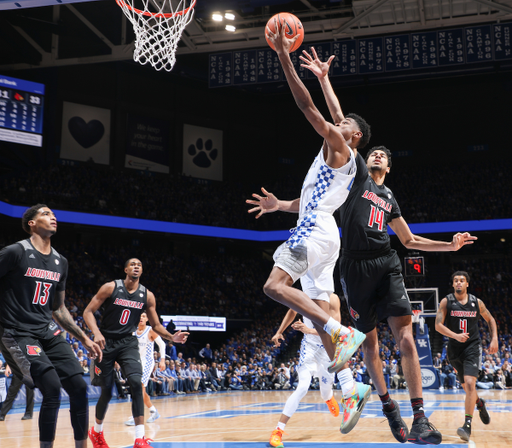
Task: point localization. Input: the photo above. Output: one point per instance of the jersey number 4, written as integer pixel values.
(376, 216)
(463, 325)
(41, 299)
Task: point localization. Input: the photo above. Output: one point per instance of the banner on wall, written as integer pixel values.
(196, 323)
(202, 152)
(147, 144)
(85, 133)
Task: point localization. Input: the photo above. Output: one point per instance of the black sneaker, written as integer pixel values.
(424, 433)
(397, 425)
(464, 432)
(2, 417)
(484, 415)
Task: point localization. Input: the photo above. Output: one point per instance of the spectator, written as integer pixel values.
(206, 353)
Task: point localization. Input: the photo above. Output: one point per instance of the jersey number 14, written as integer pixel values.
(376, 216)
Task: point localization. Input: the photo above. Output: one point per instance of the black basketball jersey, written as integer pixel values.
(122, 310)
(366, 213)
(462, 319)
(29, 281)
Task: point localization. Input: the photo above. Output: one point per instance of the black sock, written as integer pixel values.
(468, 418)
(417, 408)
(387, 403)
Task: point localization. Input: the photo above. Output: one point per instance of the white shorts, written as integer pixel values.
(147, 368)
(313, 357)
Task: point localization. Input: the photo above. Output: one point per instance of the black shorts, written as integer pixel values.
(468, 362)
(125, 352)
(374, 290)
(30, 356)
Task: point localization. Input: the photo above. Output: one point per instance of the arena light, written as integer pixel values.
(231, 28)
(217, 17)
(229, 16)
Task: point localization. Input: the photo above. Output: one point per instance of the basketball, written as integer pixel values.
(293, 27)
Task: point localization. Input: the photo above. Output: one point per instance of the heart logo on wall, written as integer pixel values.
(86, 134)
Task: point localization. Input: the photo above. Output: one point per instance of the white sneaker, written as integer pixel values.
(130, 422)
(153, 417)
(441, 388)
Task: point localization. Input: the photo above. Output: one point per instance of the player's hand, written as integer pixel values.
(180, 337)
(281, 43)
(161, 365)
(93, 349)
(100, 340)
(461, 239)
(299, 326)
(314, 64)
(462, 337)
(277, 338)
(264, 204)
(493, 347)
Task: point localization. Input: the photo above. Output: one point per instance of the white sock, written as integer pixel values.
(332, 326)
(347, 382)
(152, 409)
(139, 432)
(98, 427)
(281, 426)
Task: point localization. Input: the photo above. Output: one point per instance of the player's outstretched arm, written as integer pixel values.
(321, 71)
(301, 326)
(493, 329)
(411, 241)
(94, 305)
(442, 328)
(63, 317)
(180, 336)
(287, 320)
(269, 204)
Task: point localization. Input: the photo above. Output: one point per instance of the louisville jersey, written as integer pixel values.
(122, 310)
(462, 319)
(366, 213)
(29, 281)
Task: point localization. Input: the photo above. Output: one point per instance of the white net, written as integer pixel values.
(158, 26)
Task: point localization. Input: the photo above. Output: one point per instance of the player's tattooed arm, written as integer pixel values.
(63, 317)
(493, 328)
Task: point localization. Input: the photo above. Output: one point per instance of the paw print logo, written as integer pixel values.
(203, 153)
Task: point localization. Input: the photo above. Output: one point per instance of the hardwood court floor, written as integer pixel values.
(246, 419)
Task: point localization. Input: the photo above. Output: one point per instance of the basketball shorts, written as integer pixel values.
(313, 358)
(147, 368)
(30, 356)
(374, 290)
(125, 352)
(468, 362)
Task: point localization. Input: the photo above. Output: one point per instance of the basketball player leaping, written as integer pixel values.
(312, 250)
(371, 271)
(314, 360)
(147, 338)
(123, 302)
(32, 292)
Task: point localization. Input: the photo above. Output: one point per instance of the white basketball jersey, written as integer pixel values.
(324, 190)
(311, 338)
(146, 347)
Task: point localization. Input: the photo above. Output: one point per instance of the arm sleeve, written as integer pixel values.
(10, 256)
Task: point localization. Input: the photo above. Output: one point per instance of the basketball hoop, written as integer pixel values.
(416, 314)
(157, 33)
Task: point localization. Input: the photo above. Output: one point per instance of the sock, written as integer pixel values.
(347, 382)
(332, 327)
(417, 408)
(281, 426)
(468, 419)
(387, 403)
(479, 403)
(139, 432)
(152, 409)
(98, 427)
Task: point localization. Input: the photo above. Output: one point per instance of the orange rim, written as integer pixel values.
(123, 4)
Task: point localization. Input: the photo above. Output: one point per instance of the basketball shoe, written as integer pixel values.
(353, 407)
(276, 438)
(130, 422)
(97, 439)
(482, 411)
(142, 443)
(153, 416)
(464, 432)
(396, 424)
(345, 347)
(424, 433)
(334, 407)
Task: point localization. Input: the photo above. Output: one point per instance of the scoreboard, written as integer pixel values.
(21, 111)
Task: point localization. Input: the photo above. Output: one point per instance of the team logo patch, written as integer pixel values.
(354, 314)
(33, 350)
(56, 333)
(57, 262)
(97, 370)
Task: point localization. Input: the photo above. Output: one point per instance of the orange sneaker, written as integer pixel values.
(334, 407)
(97, 439)
(275, 438)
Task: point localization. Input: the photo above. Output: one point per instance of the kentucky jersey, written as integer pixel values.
(122, 310)
(462, 319)
(146, 349)
(323, 192)
(29, 281)
(311, 338)
(366, 213)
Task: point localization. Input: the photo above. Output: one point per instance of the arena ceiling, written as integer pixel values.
(65, 32)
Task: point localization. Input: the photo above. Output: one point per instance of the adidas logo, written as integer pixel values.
(31, 256)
